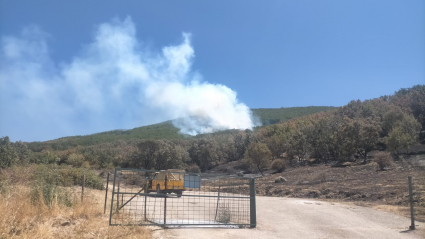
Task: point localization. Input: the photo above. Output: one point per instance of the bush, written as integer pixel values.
(50, 194)
(224, 214)
(383, 159)
(279, 165)
(50, 184)
(67, 177)
(193, 169)
(3, 184)
(74, 176)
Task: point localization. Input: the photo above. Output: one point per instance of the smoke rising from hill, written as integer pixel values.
(114, 82)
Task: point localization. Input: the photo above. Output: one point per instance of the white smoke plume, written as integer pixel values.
(114, 82)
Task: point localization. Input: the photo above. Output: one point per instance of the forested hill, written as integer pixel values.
(392, 123)
(270, 116)
(166, 130)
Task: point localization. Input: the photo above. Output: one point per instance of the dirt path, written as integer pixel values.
(279, 217)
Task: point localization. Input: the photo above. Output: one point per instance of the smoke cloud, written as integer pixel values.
(114, 82)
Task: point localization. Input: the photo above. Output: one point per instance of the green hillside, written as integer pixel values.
(166, 130)
(269, 116)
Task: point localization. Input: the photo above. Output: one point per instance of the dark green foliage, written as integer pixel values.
(159, 155)
(164, 130)
(74, 176)
(44, 157)
(351, 131)
(205, 153)
(258, 156)
(67, 176)
(367, 137)
(50, 184)
(413, 100)
(8, 155)
(274, 116)
(403, 134)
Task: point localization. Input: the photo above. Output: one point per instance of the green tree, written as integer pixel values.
(170, 155)
(299, 145)
(368, 136)
(76, 159)
(205, 153)
(146, 154)
(258, 156)
(8, 156)
(390, 119)
(404, 134)
(319, 138)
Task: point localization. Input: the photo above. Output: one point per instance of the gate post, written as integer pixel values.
(146, 197)
(412, 212)
(165, 201)
(112, 201)
(252, 208)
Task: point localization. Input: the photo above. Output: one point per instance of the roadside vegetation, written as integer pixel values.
(39, 202)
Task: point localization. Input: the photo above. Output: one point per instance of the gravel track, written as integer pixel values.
(279, 217)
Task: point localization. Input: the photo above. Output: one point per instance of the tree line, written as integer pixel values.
(391, 123)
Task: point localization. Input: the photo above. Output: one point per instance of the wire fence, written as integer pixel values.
(176, 198)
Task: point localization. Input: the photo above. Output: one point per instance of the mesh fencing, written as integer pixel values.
(175, 198)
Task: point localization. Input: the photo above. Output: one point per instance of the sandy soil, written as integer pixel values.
(279, 217)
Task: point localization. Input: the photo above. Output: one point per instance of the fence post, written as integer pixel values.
(412, 212)
(118, 195)
(106, 194)
(218, 199)
(252, 208)
(165, 200)
(146, 197)
(82, 187)
(112, 201)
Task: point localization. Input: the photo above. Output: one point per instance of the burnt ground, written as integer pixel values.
(361, 184)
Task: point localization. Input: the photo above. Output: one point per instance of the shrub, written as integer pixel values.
(74, 176)
(66, 176)
(50, 194)
(224, 214)
(50, 182)
(279, 165)
(383, 159)
(193, 169)
(3, 184)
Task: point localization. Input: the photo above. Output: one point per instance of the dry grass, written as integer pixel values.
(20, 218)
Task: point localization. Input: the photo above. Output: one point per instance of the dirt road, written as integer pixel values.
(279, 217)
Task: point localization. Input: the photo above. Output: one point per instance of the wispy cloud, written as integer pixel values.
(113, 83)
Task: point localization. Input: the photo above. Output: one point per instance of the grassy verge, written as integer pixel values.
(23, 217)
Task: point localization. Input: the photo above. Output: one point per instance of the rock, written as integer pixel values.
(65, 224)
(280, 180)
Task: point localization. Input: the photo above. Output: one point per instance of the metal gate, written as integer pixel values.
(175, 198)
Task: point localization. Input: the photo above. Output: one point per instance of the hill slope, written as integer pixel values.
(270, 116)
(166, 130)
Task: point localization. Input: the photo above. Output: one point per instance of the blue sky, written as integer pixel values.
(271, 53)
